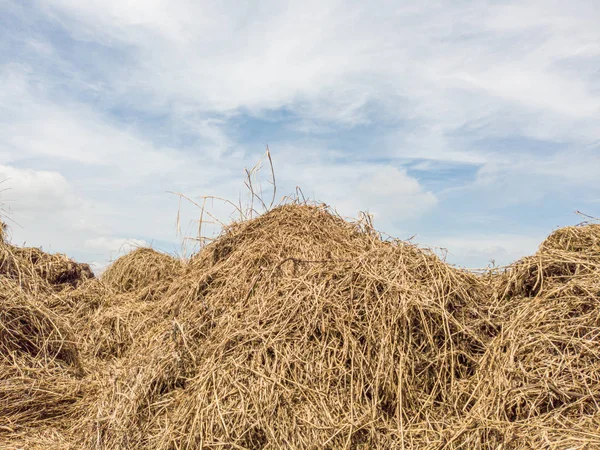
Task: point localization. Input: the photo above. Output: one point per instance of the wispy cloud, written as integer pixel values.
(421, 113)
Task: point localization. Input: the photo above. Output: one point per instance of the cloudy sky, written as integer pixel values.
(473, 125)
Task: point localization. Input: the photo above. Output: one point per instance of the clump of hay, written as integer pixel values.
(570, 253)
(34, 269)
(103, 319)
(141, 269)
(40, 368)
(538, 384)
(46, 438)
(580, 239)
(113, 328)
(56, 269)
(82, 301)
(298, 328)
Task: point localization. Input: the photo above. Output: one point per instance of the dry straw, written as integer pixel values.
(41, 373)
(298, 329)
(142, 271)
(538, 385)
(40, 368)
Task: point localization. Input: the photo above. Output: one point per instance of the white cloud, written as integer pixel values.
(392, 194)
(42, 208)
(37, 127)
(384, 190)
(477, 251)
(444, 65)
(26, 191)
(520, 178)
(112, 178)
(111, 103)
(114, 246)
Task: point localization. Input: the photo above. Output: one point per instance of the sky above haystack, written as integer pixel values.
(472, 126)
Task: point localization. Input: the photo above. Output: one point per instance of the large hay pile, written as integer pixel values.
(297, 328)
(539, 381)
(301, 330)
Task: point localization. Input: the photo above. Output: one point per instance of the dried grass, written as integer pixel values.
(41, 373)
(298, 329)
(538, 385)
(40, 369)
(144, 271)
(33, 269)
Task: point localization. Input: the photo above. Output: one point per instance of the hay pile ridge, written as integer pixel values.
(298, 329)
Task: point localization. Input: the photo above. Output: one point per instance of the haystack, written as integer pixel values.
(40, 369)
(141, 270)
(33, 268)
(297, 329)
(538, 384)
(569, 254)
(41, 373)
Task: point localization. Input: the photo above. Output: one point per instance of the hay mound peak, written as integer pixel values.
(34, 268)
(340, 336)
(538, 383)
(583, 238)
(568, 256)
(139, 269)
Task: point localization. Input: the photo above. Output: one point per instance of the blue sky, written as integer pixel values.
(473, 125)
